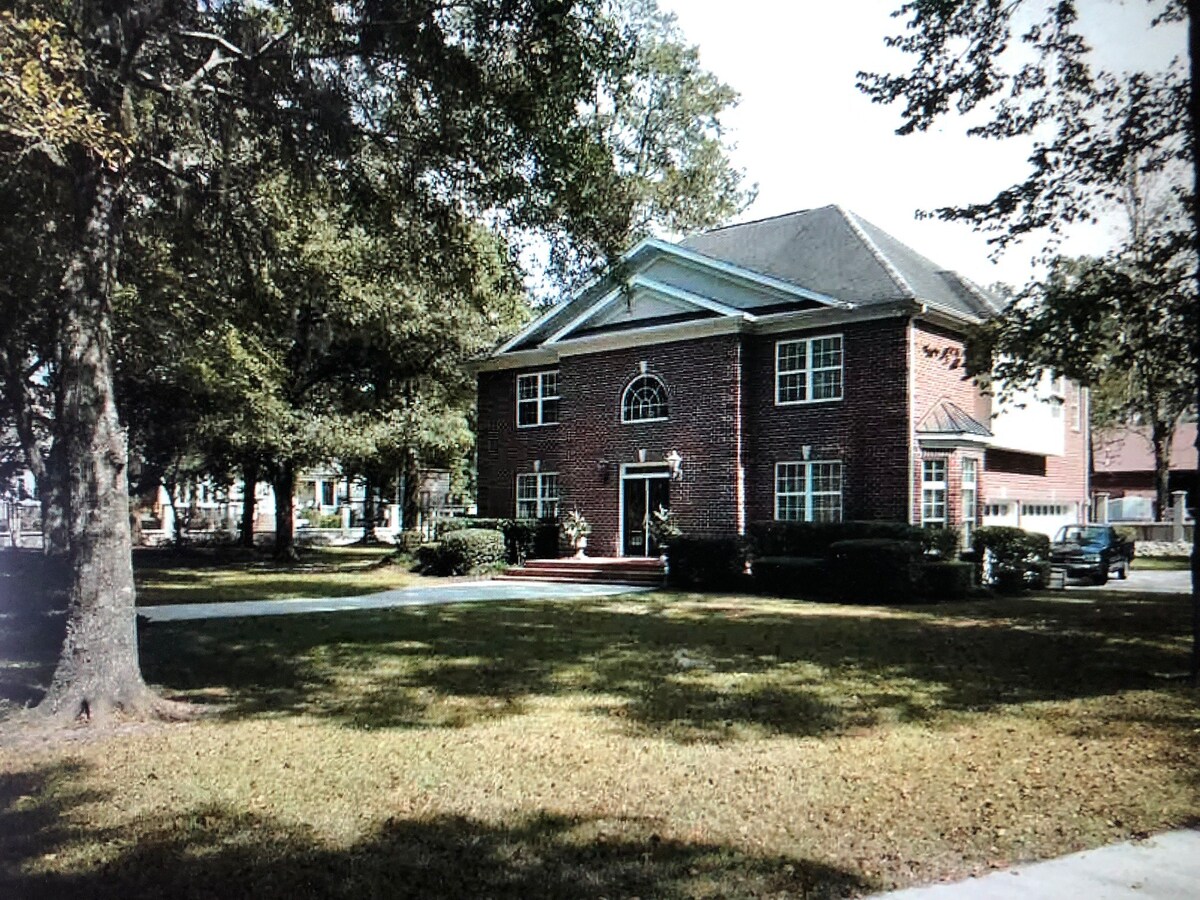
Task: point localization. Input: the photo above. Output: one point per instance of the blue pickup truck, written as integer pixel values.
(1091, 551)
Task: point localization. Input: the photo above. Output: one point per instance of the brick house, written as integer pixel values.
(807, 366)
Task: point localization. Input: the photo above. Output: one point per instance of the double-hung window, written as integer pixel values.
(537, 495)
(537, 399)
(809, 370)
(808, 491)
(970, 487)
(933, 493)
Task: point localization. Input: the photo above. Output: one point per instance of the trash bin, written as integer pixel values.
(1057, 580)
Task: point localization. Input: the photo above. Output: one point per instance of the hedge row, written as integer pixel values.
(523, 538)
(462, 551)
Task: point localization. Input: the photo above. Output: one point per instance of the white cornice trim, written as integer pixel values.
(519, 359)
(656, 334)
(950, 440)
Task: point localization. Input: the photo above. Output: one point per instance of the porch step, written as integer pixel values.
(591, 570)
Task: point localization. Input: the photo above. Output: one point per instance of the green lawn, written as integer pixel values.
(200, 576)
(661, 746)
(1162, 563)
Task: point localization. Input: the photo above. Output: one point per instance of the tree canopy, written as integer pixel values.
(273, 222)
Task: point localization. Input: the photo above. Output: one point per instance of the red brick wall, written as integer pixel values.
(939, 374)
(504, 450)
(867, 430)
(701, 381)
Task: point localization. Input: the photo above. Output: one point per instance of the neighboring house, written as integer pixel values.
(803, 367)
(1123, 468)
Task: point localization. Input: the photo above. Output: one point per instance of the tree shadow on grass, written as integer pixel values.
(217, 851)
(687, 671)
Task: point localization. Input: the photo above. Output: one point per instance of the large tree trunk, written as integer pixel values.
(368, 535)
(249, 500)
(98, 671)
(284, 484)
(1161, 434)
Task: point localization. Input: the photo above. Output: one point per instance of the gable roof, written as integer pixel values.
(835, 252)
(827, 257)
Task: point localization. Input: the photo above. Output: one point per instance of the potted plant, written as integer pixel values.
(576, 528)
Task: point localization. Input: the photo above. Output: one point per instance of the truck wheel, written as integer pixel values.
(1100, 576)
(1122, 571)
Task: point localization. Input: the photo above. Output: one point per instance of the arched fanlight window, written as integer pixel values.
(645, 400)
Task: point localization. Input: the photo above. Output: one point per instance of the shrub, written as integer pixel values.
(1018, 559)
(408, 541)
(429, 558)
(470, 549)
(791, 576)
(316, 519)
(943, 543)
(874, 570)
(946, 580)
(813, 539)
(523, 538)
(707, 564)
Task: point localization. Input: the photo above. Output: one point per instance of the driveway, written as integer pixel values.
(1151, 581)
(459, 592)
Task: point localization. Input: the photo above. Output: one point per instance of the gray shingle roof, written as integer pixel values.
(835, 252)
(828, 250)
(946, 417)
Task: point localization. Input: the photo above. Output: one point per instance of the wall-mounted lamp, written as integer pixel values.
(674, 465)
(603, 468)
(806, 452)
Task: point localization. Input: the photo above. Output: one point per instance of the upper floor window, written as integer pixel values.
(645, 400)
(537, 399)
(808, 370)
(808, 491)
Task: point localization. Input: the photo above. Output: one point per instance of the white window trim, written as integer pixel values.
(808, 368)
(542, 499)
(808, 491)
(539, 401)
(941, 485)
(625, 393)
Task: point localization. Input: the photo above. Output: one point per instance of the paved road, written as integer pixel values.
(1152, 580)
(459, 592)
(1164, 867)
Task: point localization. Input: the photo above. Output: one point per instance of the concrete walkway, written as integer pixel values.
(459, 592)
(1164, 867)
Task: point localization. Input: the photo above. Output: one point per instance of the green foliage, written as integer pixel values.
(946, 580)
(523, 538)
(1012, 560)
(469, 550)
(791, 576)
(874, 570)
(813, 539)
(707, 564)
(316, 519)
(943, 543)
(664, 527)
(408, 541)
(575, 526)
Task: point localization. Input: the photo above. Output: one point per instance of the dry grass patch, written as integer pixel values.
(668, 746)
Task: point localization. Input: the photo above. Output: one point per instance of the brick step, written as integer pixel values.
(589, 576)
(591, 570)
(575, 579)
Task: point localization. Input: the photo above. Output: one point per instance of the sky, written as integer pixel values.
(809, 138)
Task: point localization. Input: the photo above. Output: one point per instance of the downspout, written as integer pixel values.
(910, 501)
(739, 473)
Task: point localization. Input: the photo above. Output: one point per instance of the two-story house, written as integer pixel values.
(804, 367)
